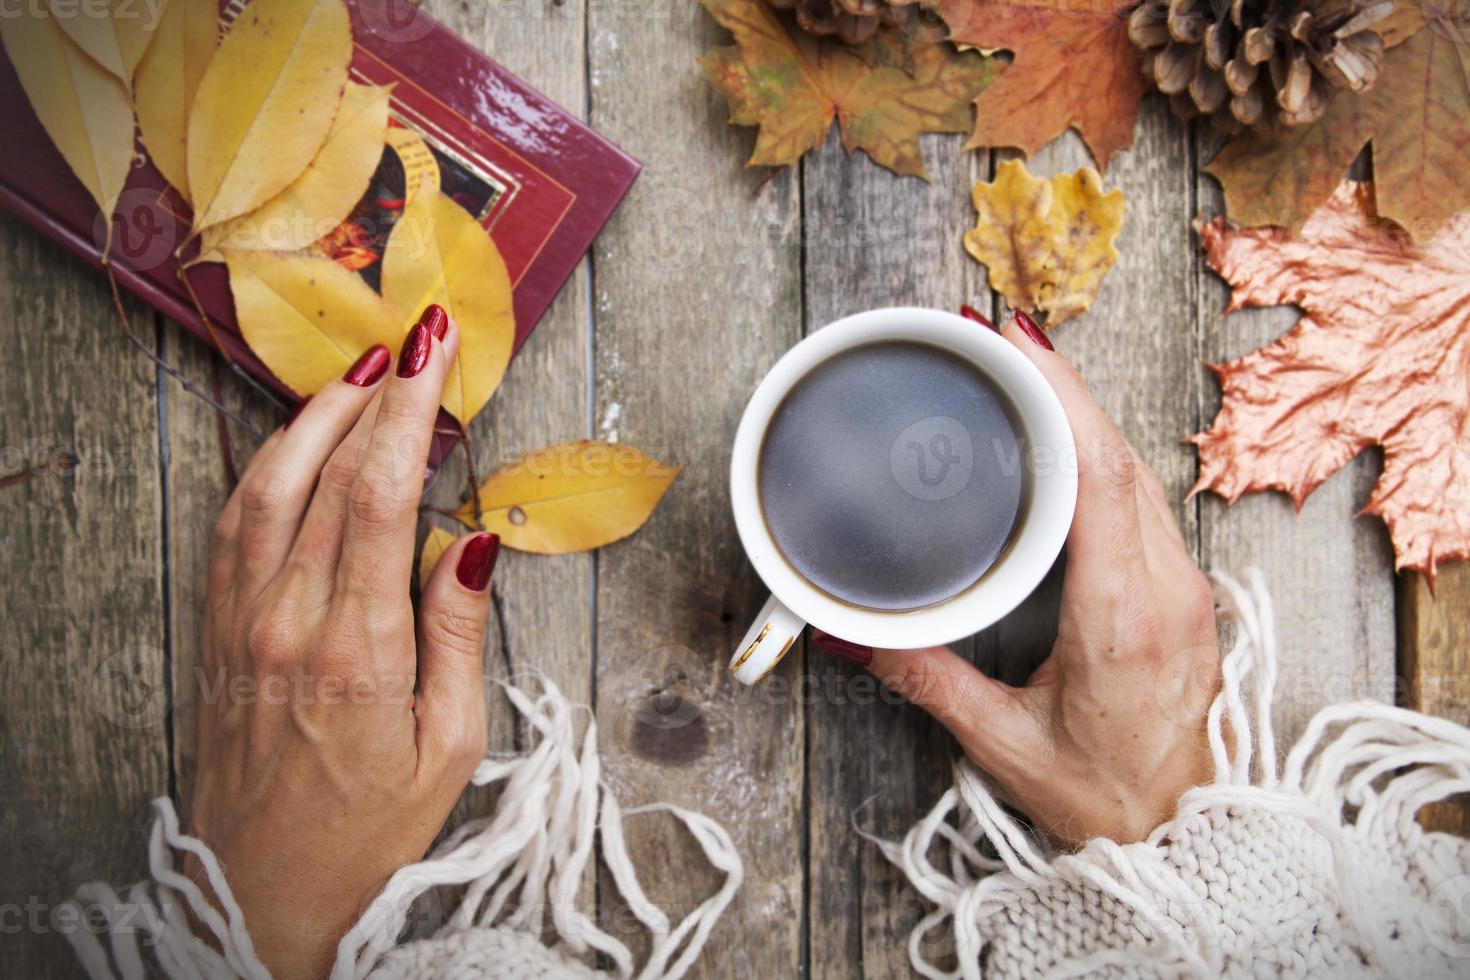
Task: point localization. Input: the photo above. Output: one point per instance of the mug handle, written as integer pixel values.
(769, 638)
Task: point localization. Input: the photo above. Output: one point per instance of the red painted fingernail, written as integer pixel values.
(970, 313)
(436, 320)
(842, 649)
(415, 354)
(370, 367)
(295, 412)
(1032, 331)
(477, 561)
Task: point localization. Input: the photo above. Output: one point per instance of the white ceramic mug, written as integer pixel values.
(1045, 515)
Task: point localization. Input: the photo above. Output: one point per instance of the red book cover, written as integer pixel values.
(540, 181)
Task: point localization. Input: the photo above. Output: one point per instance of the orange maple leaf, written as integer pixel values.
(1417, 116)
(793, 86)
(1074, 66)
(1381, 356)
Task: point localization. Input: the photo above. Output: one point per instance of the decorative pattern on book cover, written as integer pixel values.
(540, 181)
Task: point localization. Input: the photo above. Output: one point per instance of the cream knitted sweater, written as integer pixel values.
(1311, 867)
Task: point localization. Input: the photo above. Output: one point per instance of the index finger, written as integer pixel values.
(1106, 537)
(382, 504)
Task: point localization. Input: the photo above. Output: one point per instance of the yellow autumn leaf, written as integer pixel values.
(323, 196)
(1047, 243)
(438, 542)
(572, 497)
(266, 104)
(167, 80)
(84, 109)
(438, 253)
(116, 41)
(305, 316)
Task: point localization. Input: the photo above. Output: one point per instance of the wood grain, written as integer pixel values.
(697, 291)
(1434, 645)
(1330, 572)
(874, 240)
(83, 694)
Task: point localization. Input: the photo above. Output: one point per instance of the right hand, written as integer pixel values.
(1110, 730)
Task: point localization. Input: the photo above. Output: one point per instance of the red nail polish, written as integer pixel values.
(295, 412)
(970, 313)
(436, 320)
(370, 367)
(415, 354)
(1032, 331)
(833, 646)
(477, 561)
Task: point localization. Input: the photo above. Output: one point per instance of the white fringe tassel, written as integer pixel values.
(522, 868)
(1364, 766)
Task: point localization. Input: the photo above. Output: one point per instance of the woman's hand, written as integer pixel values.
(1109, 730)
(335, 733)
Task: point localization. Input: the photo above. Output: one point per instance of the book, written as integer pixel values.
(541, 183)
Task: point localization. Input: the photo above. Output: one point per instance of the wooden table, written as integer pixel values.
(112, 477)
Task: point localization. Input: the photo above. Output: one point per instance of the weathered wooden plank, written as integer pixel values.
(874, 240)
(1434, 643)
(197, 486)
(542, 621)
(83, 698)
(1330, 572)
(697, 292)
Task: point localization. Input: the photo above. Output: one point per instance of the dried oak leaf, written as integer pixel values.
(83, 108)
(438, 253)
(436, 543)
(324, 195)
(1074, 66)
(1381, 356)
(167, 80)
(793, 86)
(573, 497)
(1418, 118)
(307, 317)
(266, 104)
(1047, 243)
(115, 34)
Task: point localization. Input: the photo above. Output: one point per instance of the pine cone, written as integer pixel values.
(853, 21)
(1265, 64)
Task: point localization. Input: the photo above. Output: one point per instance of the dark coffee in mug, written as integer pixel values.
(891, 475)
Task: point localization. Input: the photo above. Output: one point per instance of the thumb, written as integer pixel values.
(452, 616)
(987, 718)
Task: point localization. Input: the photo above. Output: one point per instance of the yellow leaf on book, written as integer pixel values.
(573, 497)
(306, 317)
(167, 80)
(113, 33)
(266, 104)
(1047, 243)
(438, 542)
(84, 109)
(323, 196)
(438, 253)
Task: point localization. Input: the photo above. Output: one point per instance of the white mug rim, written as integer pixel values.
(1033, 548)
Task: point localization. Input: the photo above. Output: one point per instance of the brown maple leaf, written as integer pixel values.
(793, 86)
(1381, 356)
(1074, 66)
(1417, 116)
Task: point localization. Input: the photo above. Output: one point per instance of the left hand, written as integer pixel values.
(335, 733)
